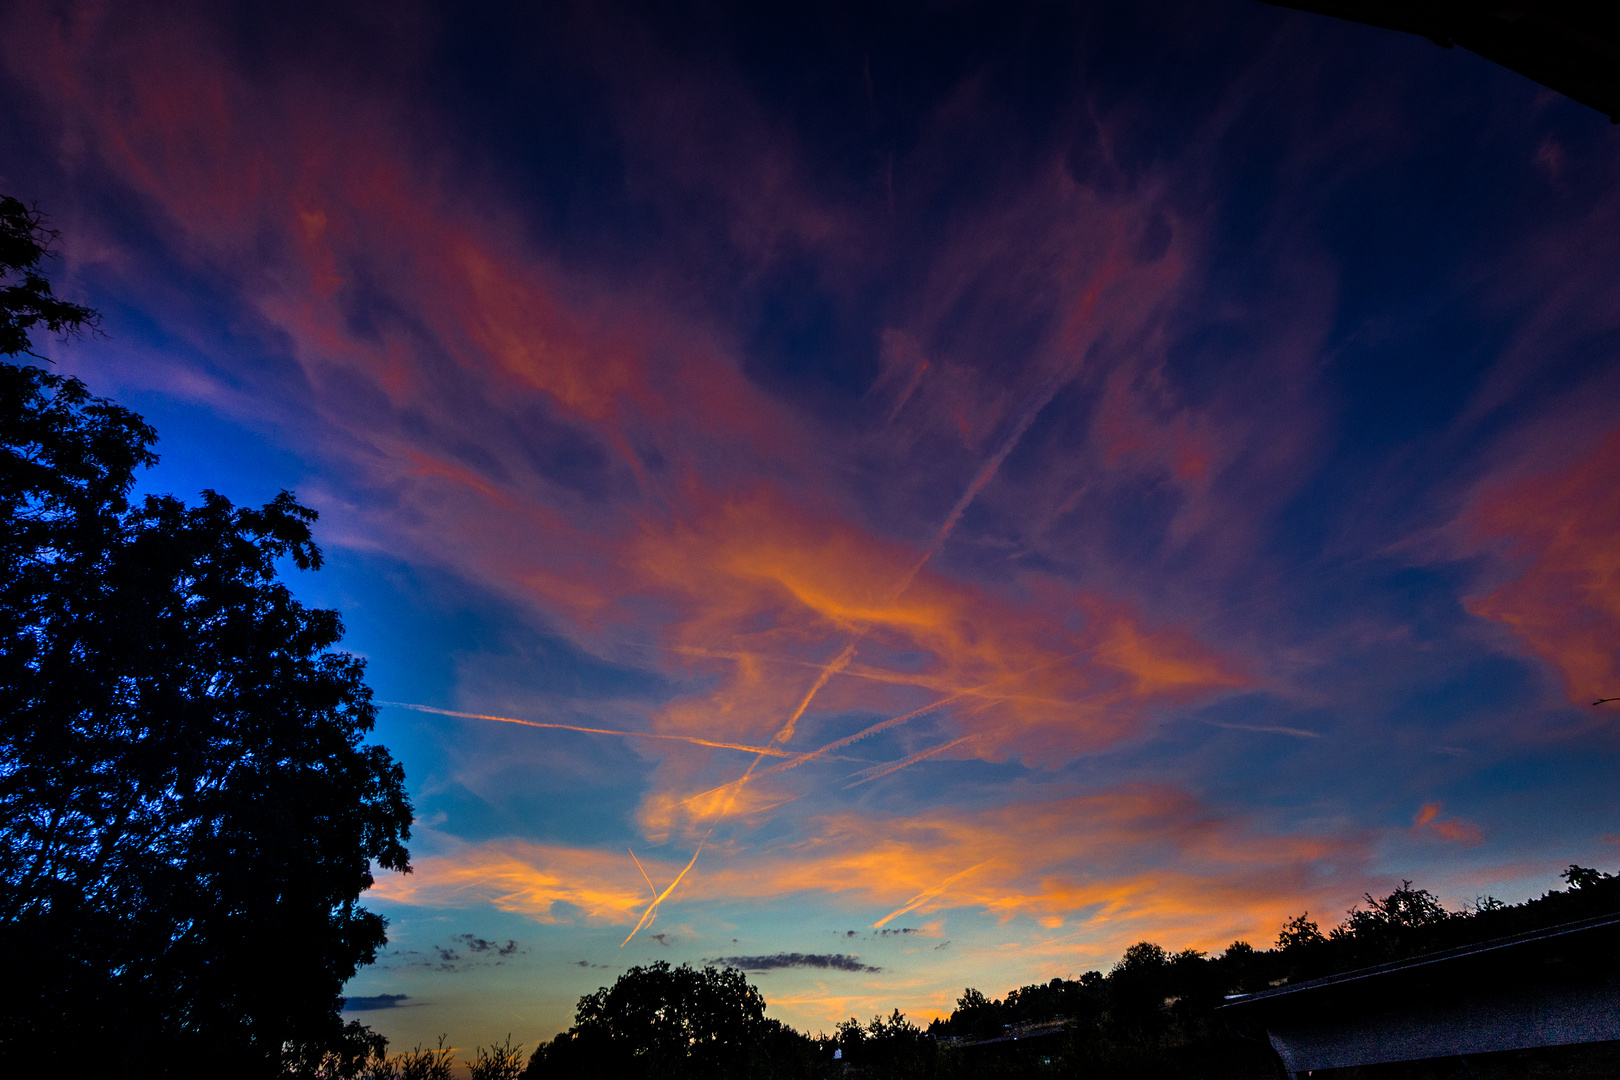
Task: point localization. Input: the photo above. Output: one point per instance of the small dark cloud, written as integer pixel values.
(463, 952)
(942, 945)
(583, 963)
(837, 961)
(662, 939)
(479, 945)
(888, 931)
(378, 1001)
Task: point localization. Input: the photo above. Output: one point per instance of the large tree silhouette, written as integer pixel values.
(188, 814)
(663, 1022)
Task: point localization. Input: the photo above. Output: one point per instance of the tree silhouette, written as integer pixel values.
(1300, 933)
(659, 1021)
(26, 300)
(188, 814)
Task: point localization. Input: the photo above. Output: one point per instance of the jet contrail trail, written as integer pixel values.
(772, 751)
(808, 756)
(920, 755)
(838, 664)
(982, 478)
(824, 752)
(652, 908)
(923, 897)
(986, 473)
(643, 870)
(905, 395)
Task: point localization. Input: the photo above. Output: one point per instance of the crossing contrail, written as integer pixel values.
(643, 870)
(652, 908)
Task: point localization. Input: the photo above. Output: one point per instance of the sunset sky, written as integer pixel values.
(1000, 482)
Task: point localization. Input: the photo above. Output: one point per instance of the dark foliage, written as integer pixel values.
(888, 1046)
(188, 814)
(659, 1022)
(503, 1062)
(26, 300)
(420, 1064)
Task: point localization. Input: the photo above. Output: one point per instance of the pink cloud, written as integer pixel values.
(1564, 604)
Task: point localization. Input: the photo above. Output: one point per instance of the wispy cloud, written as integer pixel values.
(1564, 604)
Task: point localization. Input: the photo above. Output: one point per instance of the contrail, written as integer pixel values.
(652, 908)
(984, 476)
(772, 751)
(837, 744)
(923, 897)
(643, 870)
(905, 395)
(986, 472)
(920, 755)
(805, 758)
(852, 669)
(838, 664)
(824, 752)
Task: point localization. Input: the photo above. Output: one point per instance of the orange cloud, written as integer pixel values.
(1135, 861)
(761, 578)
(757, 586)
(1565, 605)
(1452, 830)
(542, 881)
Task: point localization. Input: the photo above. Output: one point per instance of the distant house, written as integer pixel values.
(1552, 988)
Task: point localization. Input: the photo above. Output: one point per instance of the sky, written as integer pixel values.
(893, 497)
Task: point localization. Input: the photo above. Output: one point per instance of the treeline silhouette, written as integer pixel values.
(1152, 1015)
